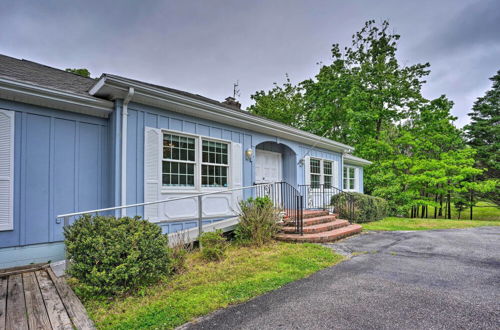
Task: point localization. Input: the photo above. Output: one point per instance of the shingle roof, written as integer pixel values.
(44, 76)
(177, 91)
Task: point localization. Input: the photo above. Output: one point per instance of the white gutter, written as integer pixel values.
(115, 86)
(53, 98)
(353, 160)
(124, 149)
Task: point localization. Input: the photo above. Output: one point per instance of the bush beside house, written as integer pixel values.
(111, 255)
(258, 221)
(366, 208)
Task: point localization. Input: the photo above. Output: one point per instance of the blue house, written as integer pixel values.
(70, 143)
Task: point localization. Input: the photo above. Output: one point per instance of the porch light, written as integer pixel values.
(249, 154)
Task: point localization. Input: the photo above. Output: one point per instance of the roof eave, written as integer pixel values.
(353, 160)
(115, 88)
(52, 98)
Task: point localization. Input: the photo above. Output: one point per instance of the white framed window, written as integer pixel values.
(214, 164)
(322, 172)
(327, 174)
(179, 161)
(315, 170)
(350, 178)
(191, 161)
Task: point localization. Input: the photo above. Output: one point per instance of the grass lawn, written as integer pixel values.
(207, 286)
(483, 211)
(425, 224)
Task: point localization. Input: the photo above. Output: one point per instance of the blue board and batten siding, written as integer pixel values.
(141, 116)
(60, 165)
(66, 162)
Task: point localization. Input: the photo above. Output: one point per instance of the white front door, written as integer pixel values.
(267, 166)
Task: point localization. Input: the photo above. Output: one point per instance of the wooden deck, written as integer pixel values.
(35, 298)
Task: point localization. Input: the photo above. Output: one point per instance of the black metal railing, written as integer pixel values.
(326, 197)
(287, 199)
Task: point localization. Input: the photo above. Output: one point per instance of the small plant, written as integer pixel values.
(179, 249)
(213, 245)
(115, 255)
(258, 221)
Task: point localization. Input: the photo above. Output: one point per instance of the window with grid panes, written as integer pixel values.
(327, 174)
(179, 160)
(214, 164)
(315, 171)
(349, 178)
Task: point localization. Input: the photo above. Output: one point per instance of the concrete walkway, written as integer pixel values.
(443, 279)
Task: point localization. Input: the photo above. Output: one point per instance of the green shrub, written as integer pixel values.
(213, 245)
(258, 221)
(114, 255)
(366, 208)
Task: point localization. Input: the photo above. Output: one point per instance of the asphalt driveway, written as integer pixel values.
(443, 279)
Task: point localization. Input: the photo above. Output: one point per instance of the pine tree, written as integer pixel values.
(484, 133)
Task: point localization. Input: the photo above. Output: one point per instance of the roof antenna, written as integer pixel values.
(236, 90)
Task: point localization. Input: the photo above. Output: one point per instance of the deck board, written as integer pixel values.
(16, 306)
(37, 299)
(3, 301)
(55, 309)
(74, 307)
(35, 307)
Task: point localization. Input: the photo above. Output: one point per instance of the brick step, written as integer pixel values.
(318, 228)
(313, 221)
(312, 213)
(327, 236)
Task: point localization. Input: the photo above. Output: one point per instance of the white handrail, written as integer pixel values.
(67, 215)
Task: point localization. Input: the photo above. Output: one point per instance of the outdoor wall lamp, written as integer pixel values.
(249, 154)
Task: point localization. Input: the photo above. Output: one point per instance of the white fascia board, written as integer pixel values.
(198, 108)
(53, 98)
(353, 160)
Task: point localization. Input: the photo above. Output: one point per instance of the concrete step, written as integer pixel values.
(322, 237)
(318, 228)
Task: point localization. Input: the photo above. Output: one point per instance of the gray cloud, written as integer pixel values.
(204, 46)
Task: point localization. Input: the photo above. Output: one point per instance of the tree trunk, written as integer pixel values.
(471, 202)
(440, 214)
(449, 204)
(435, 207)
(379, 126)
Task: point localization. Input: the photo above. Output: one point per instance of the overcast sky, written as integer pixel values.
(204, 46)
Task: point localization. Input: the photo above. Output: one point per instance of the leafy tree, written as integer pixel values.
(282, 103)
(484, 132)
(367, 99)
(82, 72)
(365, 88)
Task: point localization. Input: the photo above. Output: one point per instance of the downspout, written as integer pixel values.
(123, 169)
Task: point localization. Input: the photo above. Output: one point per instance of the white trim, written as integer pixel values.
(197, 164)
(356, 178)
(116, 87)
(280, 165)
(9, 225)
(334, 175)
(53, 98)
(124, 131)
(192, 234)
(353, 160)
